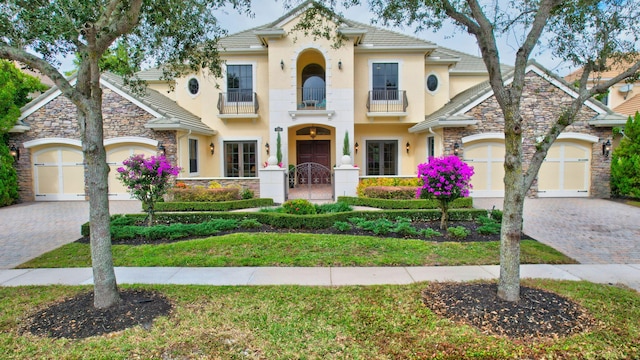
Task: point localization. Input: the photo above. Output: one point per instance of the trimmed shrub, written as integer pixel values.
(429, 233)
(214, 206)
(418, 204)
(391, 192)
(250, 224)
(386, 181)
(333, 208)
(247, 194)
(342, 226)
(200, 194)
(299, 207)
(489, 226)
(458, 232)
(625, 161)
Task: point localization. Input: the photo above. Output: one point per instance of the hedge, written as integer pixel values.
(460, 203)
(288, 221)
(201, 194)
(213, 206)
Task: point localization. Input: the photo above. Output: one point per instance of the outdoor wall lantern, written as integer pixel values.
(606, 148)
(408, 147)
(456, 149)
(282, 64)
(267, 147)
(356, 147)
(15, 152)
(312, 132)
(212, 147)
(340, 64)
(161, 148)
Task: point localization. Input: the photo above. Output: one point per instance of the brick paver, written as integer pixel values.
(592, 231)
(30, 229)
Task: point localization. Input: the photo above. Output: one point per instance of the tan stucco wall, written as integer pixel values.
(460, 83)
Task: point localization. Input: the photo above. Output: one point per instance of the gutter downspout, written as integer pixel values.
(438, 136)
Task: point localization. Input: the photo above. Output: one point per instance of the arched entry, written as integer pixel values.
(312, 175)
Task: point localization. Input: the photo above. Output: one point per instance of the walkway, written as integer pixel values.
(628, 275)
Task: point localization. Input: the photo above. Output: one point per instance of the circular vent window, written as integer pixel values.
(194, 86)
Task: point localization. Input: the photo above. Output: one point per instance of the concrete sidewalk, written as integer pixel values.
(627, 274)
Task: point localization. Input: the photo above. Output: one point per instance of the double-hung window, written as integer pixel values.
(239, 83)
(240, 158)
(382, 157)
(385, 81)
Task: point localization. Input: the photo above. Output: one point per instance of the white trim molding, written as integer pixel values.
(484, 136)
(52, 141)
(578, 136)
(130, 139)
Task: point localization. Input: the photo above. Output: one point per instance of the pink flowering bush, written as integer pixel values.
(147, 179)
(446, 179)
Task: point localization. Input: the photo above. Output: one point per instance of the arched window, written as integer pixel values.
(313, 84)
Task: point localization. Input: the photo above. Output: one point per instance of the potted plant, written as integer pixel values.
(346, 150)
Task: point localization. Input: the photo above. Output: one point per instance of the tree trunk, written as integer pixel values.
(513, 206)
(96, 177)
(445, 214)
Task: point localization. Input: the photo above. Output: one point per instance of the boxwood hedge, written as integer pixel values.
(460, 203)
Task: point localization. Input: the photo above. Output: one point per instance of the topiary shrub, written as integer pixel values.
(391, 192)
(200, 193)
(299, 207)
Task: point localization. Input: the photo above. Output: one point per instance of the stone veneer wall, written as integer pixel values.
(58, 119)
(246, 183)
(541, 102)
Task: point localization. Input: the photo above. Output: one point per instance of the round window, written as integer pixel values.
(432, 83)
(194, 86)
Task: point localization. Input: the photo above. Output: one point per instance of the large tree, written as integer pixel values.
(585, 33)
(179, 34)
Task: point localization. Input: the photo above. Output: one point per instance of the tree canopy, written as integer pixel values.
(15, 88)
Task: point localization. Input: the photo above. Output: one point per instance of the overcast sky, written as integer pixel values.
(266, 11)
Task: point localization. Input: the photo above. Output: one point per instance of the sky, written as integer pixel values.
(266, 11)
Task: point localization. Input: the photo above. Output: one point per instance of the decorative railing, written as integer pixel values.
(238, 102)
(311, 98)
(388, 101)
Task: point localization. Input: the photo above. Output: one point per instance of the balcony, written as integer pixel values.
(238, 105)
(308, 98)
(382, 103)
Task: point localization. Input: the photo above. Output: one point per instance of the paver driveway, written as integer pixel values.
(592, 231)
(30, 229)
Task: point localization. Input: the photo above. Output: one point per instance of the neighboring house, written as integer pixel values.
(623, 97)
(401, 100)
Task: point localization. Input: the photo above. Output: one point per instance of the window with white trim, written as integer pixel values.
(382, 157)
(193, 156)
(239, 83)
(384, 81)
(240, 158)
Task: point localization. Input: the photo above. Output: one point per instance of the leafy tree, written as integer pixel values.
(15, 87)
(279, 150)
(147, 179)
(625, 161)
(446, 179)
(116, 59)
(586, 33)
(179, 34)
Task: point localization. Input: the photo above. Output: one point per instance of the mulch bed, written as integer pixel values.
(539, 313)
(77, 318)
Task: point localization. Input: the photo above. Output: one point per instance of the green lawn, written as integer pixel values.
(264, 249)
(295, 322)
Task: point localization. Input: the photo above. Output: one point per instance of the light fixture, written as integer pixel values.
(606, 148)
(340, 64)
(267, 147)
(282, 64)
(312, 132)
(161, 148)
(15, 152)
(456, 148)
(212, 147)
(357, 147)
(408, 147)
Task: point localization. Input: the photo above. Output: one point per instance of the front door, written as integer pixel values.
(313, 151)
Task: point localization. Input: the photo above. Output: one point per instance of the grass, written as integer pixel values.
(295, 322)
(263, 249)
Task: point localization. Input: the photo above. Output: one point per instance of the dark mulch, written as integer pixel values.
(539, 313)
(77, 318)
(469, 225)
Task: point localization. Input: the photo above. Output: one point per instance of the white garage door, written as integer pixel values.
(566, 171)
(115, 157)
(58, 174)
(487, 159)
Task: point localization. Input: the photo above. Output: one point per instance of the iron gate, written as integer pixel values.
(311, 181)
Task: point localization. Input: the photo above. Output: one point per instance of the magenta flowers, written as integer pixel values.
(147, 179)
(446, 179)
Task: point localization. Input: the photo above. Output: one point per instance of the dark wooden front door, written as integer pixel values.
(316, 151)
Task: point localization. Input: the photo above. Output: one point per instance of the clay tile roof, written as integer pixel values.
(629, 107)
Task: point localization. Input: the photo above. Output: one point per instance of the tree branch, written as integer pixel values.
(12, 53)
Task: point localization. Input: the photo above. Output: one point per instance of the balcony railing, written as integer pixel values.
(238, 102)
(387, 101)
(311, 98)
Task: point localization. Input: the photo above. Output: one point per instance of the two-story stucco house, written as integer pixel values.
(399, 99)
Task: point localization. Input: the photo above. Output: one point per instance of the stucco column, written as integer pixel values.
(272, 181)
(346, 178)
